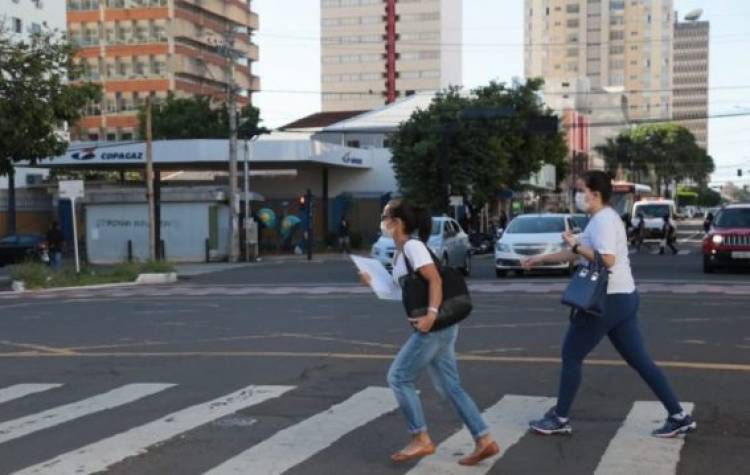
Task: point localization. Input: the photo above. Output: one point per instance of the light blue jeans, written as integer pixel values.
(437, 352)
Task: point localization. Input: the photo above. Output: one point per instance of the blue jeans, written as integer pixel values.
(436, 352)
(55, 260)
(620, 324)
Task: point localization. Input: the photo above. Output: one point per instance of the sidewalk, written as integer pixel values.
(189, 270)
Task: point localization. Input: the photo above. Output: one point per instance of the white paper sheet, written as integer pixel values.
(381, 281)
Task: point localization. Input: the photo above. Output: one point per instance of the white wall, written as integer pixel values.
(184, 229)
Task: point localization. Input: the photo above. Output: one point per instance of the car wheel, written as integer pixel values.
(707, 267)
(501, 273)
(466, 270)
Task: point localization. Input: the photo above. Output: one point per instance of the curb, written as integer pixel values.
(18, 286)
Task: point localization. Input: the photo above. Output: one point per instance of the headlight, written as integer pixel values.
(502, 247)
(717, 239)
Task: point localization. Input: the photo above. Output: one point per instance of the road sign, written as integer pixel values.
(456, 200)
(73, 190)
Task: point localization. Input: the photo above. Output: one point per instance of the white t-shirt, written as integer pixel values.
(418, 255)
(606, 234)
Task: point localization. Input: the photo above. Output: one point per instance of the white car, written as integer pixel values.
(653, 212)
(447, 240)
(531, 235)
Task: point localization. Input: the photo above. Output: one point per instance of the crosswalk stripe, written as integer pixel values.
(508, 421)
(633, 451)
(58, 415)
(100, 455)
(273, 455)
(18, 391)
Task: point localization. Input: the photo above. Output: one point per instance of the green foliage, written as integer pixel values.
(41, 276)
(700, 196)
(197, 118)
(668, 152)
(485, 154)
(39, 93)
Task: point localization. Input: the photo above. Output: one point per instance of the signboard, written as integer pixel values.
(456, 200)
(71, 189)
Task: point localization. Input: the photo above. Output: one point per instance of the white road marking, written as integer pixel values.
(20, 390)
(58, 415)
(634, 451)
(297, 443)
(508, 421)
(100, 455)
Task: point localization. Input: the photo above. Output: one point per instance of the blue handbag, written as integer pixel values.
(587, 290)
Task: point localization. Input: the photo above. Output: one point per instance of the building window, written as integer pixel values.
(353, 143)
(572, 8)
(573, 23)
(17, 25)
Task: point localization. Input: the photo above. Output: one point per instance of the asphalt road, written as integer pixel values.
(307, 340)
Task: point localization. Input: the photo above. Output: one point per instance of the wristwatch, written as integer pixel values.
(575, 248)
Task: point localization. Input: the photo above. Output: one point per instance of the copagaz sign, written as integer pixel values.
(91, 153)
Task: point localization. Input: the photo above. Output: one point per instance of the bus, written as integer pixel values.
(626, 194)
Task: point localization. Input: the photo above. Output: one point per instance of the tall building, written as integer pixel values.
(140, 48)
(691, 40)
(374, 51)
(21, 18)
(613, 43)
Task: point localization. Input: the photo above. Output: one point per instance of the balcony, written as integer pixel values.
(122, 4)
(83, 5)
(233, 11)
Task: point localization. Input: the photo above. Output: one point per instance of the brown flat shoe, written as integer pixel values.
(490, 451)
(423, 451)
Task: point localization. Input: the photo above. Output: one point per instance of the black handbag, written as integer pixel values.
(587, 290)
(415, 290)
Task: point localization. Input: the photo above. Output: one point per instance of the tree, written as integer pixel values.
(666, 151)
(485, 154)
(39, 94)
(196, 118)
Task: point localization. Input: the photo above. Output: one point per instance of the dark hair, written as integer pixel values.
(600, 181)
(415, 218)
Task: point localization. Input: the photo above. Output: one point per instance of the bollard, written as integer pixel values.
(208, 251)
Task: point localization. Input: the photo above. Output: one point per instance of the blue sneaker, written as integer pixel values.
(674, 427)
(551, 424)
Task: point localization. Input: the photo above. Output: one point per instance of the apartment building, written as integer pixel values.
(691, 53)
(625, 44)
(141, 48)
(374, 51)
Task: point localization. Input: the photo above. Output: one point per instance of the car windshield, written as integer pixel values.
(652, 211)
(9, 240)
(539, 225)
(437, 227)
(733, 218)
(581, 221)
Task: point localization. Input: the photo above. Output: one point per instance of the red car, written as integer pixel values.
(727, 244)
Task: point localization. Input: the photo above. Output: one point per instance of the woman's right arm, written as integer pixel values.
(565, 255)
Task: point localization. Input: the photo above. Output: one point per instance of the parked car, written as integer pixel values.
(17, 248)
(447, 240)
(727, 243)
(530, 235)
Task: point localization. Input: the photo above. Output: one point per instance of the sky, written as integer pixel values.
(289, 65)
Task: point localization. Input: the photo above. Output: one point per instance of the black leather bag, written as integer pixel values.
(415, 289)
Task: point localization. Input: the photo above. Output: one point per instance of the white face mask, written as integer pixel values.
(581, 202)
(385, 231)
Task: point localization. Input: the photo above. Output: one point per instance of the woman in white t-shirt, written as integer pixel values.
(606, 235)
(434, 351)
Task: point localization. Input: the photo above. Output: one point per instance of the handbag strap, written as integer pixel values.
(409, 267)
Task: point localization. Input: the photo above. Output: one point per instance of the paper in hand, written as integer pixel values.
(381, 281)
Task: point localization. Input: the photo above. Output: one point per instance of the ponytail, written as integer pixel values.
(416, 219)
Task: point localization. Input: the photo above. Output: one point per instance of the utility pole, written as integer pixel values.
(150, 183)
(233, 198)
